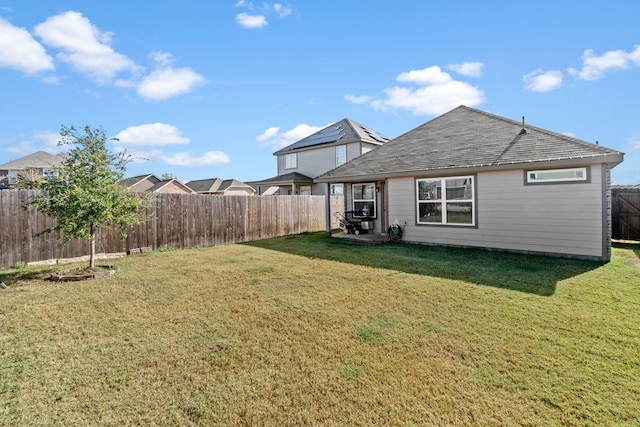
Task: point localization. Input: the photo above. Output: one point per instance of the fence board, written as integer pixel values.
(625, 205)
(171, 221)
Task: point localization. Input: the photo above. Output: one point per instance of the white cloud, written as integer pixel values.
(428, 76)
(84, 47)
(49, 140)
(271, 138)
(18, 50)
(362, 99)
(169, 82)
(39, 141)
(437, 93)
(210, 158)
(594, 67)
(162, 59)
(156, 134)
(281, 10)
(142, 143)
(634, 146)
(268, 134)
(138, 155)
(472, 69)
(542, 81)
(251, 21)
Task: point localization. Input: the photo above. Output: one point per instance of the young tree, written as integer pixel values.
(85, 195)
(167, 176)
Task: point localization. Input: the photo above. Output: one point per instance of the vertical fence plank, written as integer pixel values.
(170, 221)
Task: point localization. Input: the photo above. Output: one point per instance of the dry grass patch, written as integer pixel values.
(309, 331)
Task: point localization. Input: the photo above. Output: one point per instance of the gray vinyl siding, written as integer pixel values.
(563, 219)
(315, 162)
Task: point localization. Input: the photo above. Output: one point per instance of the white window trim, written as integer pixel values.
(341, 159)
(13, 176)
(334, 187)
(293, 156)
(354, 200)
(444, 202)
(50, 172)
(531, 176)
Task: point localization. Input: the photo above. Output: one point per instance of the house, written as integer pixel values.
(302, 161)
(470, 178)
(31, 167)
(150, 183)
(227, 187)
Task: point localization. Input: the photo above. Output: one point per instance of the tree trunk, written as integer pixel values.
(92, 255)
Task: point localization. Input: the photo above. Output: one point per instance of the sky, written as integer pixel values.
(211, 89)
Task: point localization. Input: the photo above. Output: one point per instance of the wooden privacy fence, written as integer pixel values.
(625, 212)
(172, 221)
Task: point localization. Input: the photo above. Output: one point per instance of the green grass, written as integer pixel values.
(309, 330)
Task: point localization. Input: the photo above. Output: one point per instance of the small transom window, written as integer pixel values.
(557, 175)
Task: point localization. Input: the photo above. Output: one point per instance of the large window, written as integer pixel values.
(341, 155)
(446, 201)
(558, 175)
(364, 199)
(291, 161)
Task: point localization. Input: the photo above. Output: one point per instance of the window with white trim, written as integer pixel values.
(364, 199)
(50, 172)
(337, 189)
(291, 161)
(446, 201)
(341, 155)
(558, 175)
(13, 177)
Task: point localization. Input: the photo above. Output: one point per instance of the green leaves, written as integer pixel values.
(85, 195)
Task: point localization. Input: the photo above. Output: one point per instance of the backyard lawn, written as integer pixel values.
(310, 330)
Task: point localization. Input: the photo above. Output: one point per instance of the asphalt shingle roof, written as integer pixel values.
(465, 137)
(211, 185)
(287, 177)
(131, 181)
(204, 185)
(39, 159)
(342, 132)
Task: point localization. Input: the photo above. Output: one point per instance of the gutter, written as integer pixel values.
(613, 160)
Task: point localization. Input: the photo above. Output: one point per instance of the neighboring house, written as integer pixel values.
(32, 167)
(470, 178)
(152, 184)
(316, 154)
(217, 186)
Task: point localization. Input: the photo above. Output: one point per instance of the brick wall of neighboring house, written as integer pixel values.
(173, 188)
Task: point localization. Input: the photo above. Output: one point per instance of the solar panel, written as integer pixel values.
(326, 135)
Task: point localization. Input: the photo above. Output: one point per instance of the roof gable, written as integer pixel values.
(344, 131)
(160, 185)
(204, 185)
(130, 182)
(215, 185)
(233, 183)
(39, 159)
(465, 137)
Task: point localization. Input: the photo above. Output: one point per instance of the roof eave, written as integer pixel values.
(611, 159)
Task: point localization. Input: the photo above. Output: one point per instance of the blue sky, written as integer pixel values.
(203, 89)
